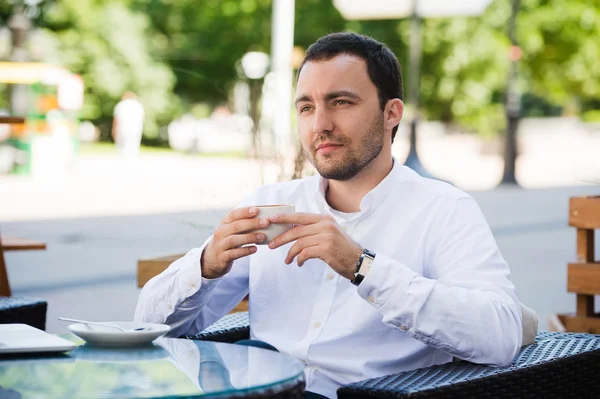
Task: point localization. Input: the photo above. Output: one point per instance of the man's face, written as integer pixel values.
(340, 121)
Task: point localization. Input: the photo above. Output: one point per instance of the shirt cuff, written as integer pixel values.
(395, 290)
(385, 277)
(190, 274)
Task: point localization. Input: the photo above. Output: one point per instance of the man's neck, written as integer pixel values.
(346, 196)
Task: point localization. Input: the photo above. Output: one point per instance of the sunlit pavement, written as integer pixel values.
(106, 213)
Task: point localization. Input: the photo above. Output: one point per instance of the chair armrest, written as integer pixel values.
(556, 365)
(29, 311)
(231, 328)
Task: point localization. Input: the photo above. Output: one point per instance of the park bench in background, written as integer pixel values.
(8, 243)
(13, 309)
(584, 274)
(12, 120)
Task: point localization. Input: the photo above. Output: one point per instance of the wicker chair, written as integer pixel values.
(23, 310)
(557, 365)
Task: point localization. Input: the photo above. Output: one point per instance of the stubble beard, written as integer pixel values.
(354, 160)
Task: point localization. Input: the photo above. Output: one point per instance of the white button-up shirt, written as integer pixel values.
(438, 288)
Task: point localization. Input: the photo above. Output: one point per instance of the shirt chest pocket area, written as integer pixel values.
(357, 315)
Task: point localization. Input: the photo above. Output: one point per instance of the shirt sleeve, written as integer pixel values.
(464, 303)
(183, 299)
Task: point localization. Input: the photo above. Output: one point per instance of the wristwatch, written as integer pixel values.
(363, 266)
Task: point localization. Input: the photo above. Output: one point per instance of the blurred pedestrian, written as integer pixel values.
(128, 124)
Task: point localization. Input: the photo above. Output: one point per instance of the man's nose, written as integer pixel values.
(322, 122)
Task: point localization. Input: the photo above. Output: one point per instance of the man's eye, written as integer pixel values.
(340, 102)
(305, 109)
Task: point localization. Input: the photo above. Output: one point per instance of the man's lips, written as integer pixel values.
(327, 147)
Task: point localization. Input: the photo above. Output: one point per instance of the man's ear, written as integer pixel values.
(392, 114)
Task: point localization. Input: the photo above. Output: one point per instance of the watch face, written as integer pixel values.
(363, 266)
(369, 254)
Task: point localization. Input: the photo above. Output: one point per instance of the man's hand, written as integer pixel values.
(318, 236)
(228, 238)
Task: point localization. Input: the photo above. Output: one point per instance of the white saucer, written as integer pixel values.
(108, 336)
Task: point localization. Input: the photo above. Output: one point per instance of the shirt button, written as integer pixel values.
(403, 328)
(330, 276)
(316, 324)
(370, 299)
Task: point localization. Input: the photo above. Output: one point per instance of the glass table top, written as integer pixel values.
(167, 368)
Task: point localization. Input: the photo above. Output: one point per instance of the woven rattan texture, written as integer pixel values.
(23, 310)
(556, 365)
(231, 328)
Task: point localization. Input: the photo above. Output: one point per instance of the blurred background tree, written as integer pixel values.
(562, 53)
(179, 54)
(106, 43)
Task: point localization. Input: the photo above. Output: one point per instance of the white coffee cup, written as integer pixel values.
(274, 229)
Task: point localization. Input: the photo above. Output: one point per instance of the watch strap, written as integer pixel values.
(363, 265)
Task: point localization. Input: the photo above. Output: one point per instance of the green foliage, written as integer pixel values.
(535, 106)
(464, 65)
(183, 55)
(106, 43)
(561, 48)
(202, 40)
(591, 116)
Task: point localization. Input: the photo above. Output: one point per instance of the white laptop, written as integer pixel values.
(21, 338)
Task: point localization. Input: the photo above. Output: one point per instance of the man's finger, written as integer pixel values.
(300, 245)
(244, 226)
(297, 218)
(313, 252)
(240, 213)
(237, 240)
(295, 234)
(234, 254)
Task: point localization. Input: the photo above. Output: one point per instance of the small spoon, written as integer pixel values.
(104, 324)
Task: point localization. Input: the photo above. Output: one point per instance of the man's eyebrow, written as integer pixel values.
(341, 93)
(330, 96)
(303, 98)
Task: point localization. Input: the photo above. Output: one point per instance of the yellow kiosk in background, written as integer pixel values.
(48, 139)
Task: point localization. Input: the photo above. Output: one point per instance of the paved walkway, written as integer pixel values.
(99, 221)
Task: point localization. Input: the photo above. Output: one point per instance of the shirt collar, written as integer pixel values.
(371, 199)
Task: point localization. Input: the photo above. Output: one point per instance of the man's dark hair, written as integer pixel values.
(382, 65)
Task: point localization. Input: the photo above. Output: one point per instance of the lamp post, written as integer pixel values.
(255, 65)
(416, 44)
(416, 10)
(19, 26)
(513, 103)
(282, 45)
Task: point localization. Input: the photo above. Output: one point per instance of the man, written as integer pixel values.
(431, 284)
(128, 125)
